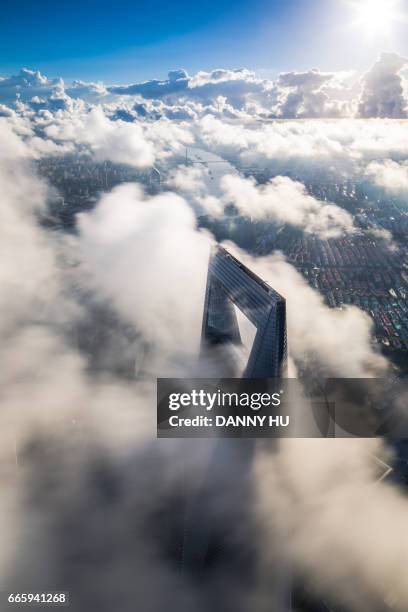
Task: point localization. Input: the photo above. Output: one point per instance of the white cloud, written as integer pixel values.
(108, 140)
(91, 92)
(188, 178)
(331, 149)
(337, 341)
(146, 256)
(286, 201)
(390, 175)
(27, 84)
(205, 87)
(383, 93)
(343, 532)
(229, 93)
(307, 94)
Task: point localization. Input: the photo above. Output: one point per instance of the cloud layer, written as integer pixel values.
(82, 314)
(233, 93)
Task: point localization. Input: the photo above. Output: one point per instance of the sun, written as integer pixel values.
(376, 16)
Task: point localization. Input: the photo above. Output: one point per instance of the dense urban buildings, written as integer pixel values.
(362, 269)
(367, 269)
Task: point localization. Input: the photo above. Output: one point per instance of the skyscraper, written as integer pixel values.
(210, 544)
(231, 283)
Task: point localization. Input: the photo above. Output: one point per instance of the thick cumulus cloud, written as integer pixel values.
(230, 93)
(383, 91)
(53, 407)
(306, 95)
(91, 92)
(43, 375)
(293, 95)
(286, 201)
(116, 141)
(26, 85)
(142, 132)
(200, 189)
(240, 93)
(331, 149)
(105, 133)
(95, 486)
(345, 533)
(43, 378)
(50, 399)
(205, 87)
(281, 199)
(24, 253)
(136, 247)
(390, 175)
(132, 280)
(31, 86)
(300, 147)
(177, 82)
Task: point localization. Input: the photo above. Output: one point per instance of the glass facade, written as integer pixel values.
(230, 282)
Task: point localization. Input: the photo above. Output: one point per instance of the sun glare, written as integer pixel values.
(376, 16)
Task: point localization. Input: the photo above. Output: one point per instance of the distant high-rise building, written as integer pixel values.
(154, 179)
(231, 283)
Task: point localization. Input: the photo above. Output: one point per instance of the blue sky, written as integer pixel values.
(131, 40)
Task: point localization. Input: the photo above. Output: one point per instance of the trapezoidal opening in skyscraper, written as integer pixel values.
(231, 283)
